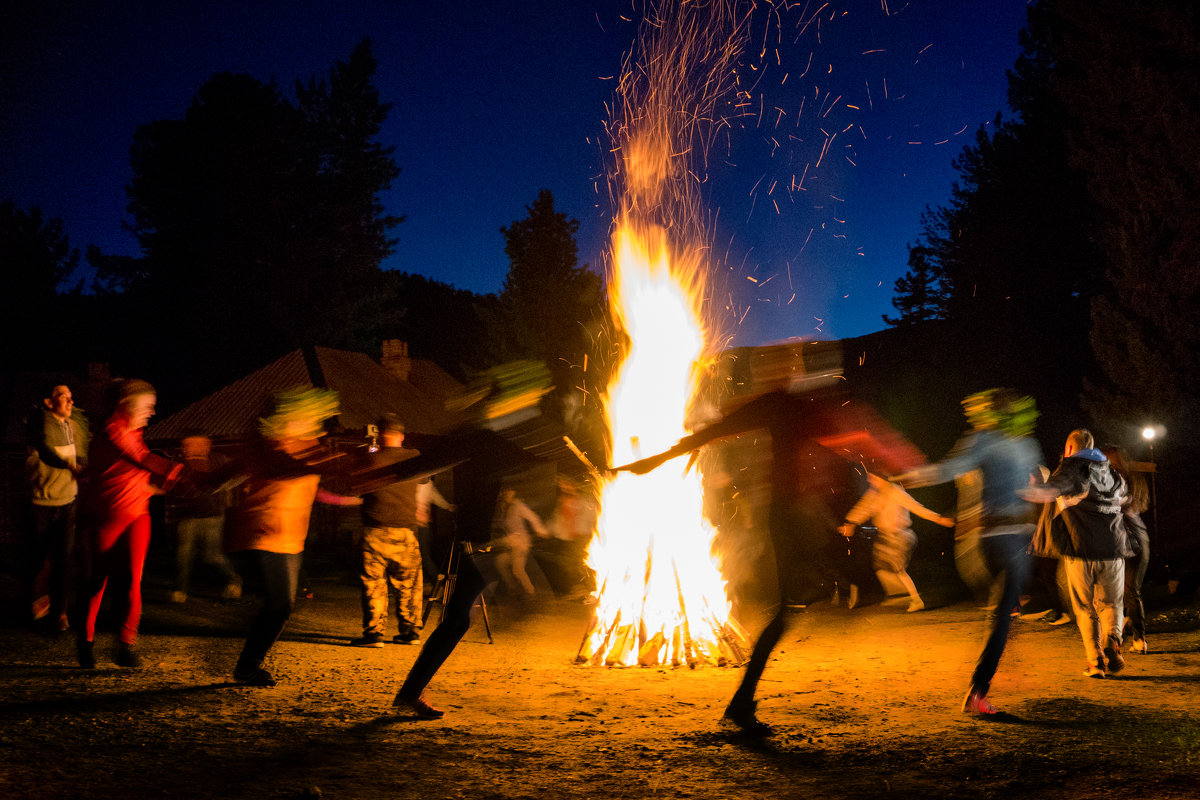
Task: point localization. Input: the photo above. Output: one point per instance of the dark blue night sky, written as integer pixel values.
(494, 101)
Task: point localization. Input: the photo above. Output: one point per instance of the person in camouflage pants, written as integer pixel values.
(391, 557)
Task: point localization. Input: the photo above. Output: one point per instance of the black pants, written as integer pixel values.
(280, 575)
(454, 626)
(50, 567)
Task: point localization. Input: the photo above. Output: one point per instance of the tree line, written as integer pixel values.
(261, 230)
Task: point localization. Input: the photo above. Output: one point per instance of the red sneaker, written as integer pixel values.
(976, 703)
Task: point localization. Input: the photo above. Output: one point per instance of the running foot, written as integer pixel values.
(743, 715)
(418, 706)
(1095, 670)
(253, 677)
(976, 703)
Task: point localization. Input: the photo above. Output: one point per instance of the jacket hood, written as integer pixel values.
(1090, 454)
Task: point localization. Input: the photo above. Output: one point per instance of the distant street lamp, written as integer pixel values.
(1150, 433)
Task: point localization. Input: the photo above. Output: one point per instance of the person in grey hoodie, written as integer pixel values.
(1082, 523)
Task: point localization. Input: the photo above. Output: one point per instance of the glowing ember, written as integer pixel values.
(662, 597)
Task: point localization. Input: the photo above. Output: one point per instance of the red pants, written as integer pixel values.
(116, 548)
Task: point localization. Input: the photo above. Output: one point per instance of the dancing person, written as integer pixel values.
(517, 519)
(117, 513)
(798, 421)
(57, 455)
(888, 507)
(1084, 526)
(1136, 502)
(271, 511)
(481, 458)
(1001, 447)
(198, 505)
(391, 556)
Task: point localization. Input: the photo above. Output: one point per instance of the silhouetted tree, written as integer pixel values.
(1128, 74)
(921, 292)
(260, 224)
(552, 307)
(35, 259)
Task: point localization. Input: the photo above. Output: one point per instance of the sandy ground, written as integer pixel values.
(865, 703)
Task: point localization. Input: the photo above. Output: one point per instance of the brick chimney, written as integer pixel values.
(395, 358)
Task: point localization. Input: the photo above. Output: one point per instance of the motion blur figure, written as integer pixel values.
(1137, 500)
(117, 513)
(888, 507)
(517, 519)
(269, 519)
(198, 505)
(1001, 447)
(801, 417)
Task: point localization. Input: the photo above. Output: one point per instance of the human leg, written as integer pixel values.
(408, 584)
(137, 540)
(1135, 610)
(446, 636)
(1107, 598)
(187, 532)
(519, 558)
(373, 578)
(1080, 586)
(1006, 558)
(281, 579)
(212, 530)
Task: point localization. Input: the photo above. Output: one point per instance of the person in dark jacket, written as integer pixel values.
(1083, 524)
(391, 556)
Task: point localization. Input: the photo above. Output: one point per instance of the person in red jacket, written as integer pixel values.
(117, 509)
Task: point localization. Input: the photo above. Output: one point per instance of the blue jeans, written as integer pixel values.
(1007, 559)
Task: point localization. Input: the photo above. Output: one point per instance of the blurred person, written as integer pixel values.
(432, 555)
(888, 507)
(482, 458)
(268, 522)
(1137, 500)
(799, 422)
(516, 519)
(56, 456)
(198, 506)
(390, 553)
(1000, 445)
(1083, 524)
(122, 472)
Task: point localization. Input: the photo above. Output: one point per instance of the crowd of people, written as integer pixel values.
(247, 516)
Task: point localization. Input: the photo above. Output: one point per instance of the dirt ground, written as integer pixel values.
(865, 704)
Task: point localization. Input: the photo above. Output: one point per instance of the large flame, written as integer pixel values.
(661, 597)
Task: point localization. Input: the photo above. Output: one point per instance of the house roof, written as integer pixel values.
(366, 391)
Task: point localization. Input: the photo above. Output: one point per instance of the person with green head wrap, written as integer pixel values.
(269, 519)
(1000, 445)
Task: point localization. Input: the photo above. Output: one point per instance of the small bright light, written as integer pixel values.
(1148, 433)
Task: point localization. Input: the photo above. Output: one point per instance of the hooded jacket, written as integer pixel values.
(1085, 520)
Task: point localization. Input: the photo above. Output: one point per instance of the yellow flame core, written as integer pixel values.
(662, 597)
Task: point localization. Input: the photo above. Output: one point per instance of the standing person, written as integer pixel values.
(1001, 447)
(117, 511)
(1084, 525)
(888, 507)
(269, 519)
(428, 496)
(198, 505)
(391, 556)
(57, 455)
(797, 423)
(517, 518)
(1137, 501)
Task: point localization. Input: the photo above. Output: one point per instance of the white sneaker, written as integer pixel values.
(178, 597)
(853, 597)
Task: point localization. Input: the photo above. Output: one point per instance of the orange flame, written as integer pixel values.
(662, 598)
